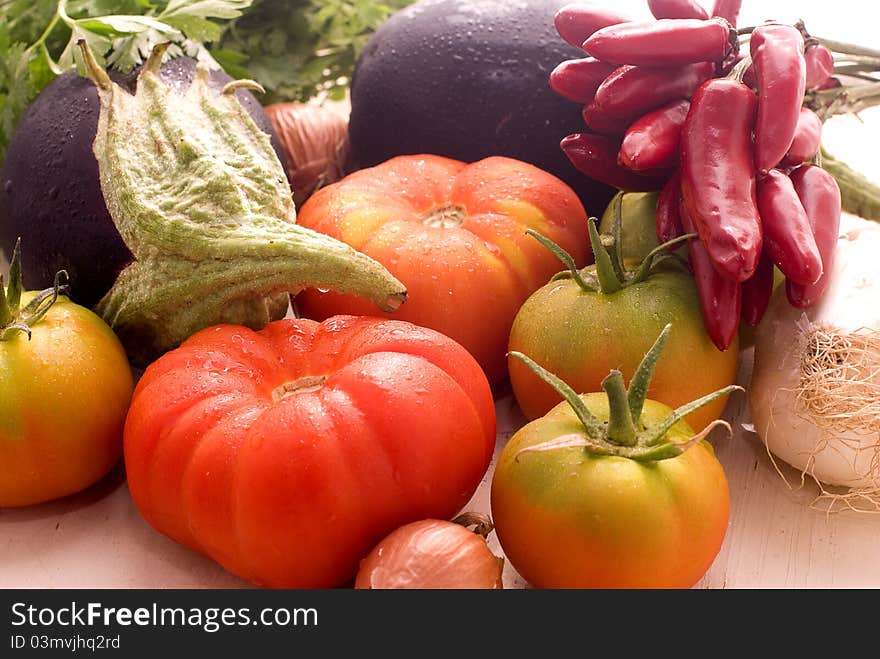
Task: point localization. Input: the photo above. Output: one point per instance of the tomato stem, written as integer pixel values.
(14, 320)
(308, 383)
(608, 274)
(567, 260)
(624, 434)
(593, 427)
(621, 430)
(660, 252)
(6, 315)
(13, 295)
(641, 380)
(609, 282)
(658, 432)
(617, 242)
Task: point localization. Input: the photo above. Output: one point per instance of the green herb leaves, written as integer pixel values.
(38, 39)
(296, 49)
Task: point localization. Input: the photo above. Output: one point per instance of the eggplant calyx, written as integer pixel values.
(15, 319)
(202, 202)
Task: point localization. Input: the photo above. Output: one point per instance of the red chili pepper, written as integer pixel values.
(652, 142)
(596, 156)
(667, 215)
(777, 52)
(677, 9)
(807, 138)
(578, 79)
(757, 291)
(631, 91)
(820, 65)
(575, 22)
(718, 175)
(667, 42)
(820, 196)
(720, 297)
(728, 10)
(788, 238)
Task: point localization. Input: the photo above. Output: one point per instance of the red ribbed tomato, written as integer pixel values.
(455, 235)
(287, 454)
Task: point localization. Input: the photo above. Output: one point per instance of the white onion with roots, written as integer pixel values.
(814, 395)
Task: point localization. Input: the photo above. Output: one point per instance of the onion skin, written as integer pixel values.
(838, 455)
(431, 554)
(314, 139)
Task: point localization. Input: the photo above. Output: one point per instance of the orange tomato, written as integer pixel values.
(569, 518)
(64, 394)
(454, 234)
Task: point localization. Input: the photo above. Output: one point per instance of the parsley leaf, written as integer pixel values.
(296, 49)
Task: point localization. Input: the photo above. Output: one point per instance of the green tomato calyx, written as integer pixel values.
(15, 320)
(625, 434)
(202, 202)
(608, 274)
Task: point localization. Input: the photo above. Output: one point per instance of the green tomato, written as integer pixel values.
(638, 226)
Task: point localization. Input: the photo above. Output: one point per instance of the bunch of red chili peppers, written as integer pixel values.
(673, 105)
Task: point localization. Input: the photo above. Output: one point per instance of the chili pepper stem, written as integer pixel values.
(847, 48)
(859, 196)
(739, 70)
(831, 44)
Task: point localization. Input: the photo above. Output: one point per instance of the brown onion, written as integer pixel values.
(434, 554)
(314, 139)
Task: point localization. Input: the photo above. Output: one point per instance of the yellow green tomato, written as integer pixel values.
(65, 385)
(567, 518)
(638, 226)
(585, 324)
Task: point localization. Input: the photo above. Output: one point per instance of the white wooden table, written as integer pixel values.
(775, 538)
